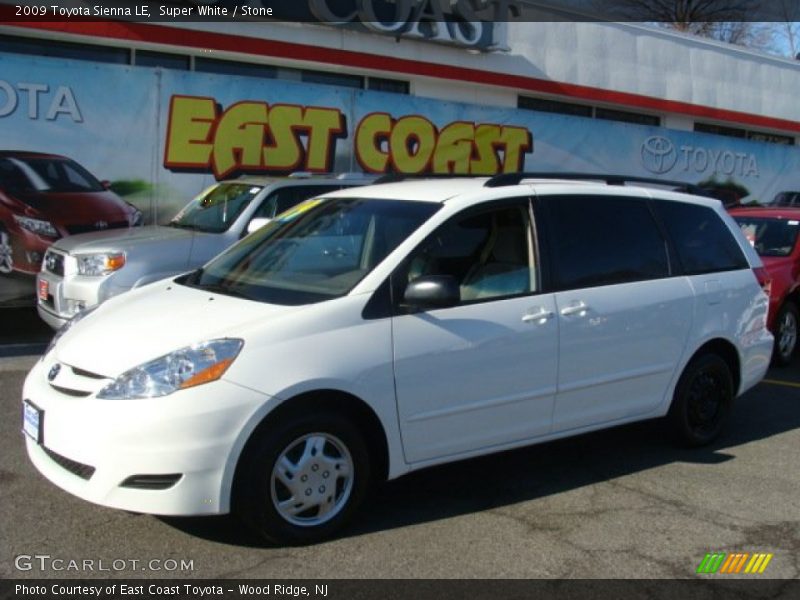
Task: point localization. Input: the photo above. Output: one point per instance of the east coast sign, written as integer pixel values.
(466, 23)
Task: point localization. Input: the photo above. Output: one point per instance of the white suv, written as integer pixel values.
(384, 329)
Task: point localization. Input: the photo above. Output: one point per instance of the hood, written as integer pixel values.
(155, 320)
(77, 207)
(772, 263)
(112, 240)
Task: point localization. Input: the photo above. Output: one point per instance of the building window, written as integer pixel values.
(146, 58)
(584, 110)
(756, 136)
(625, 116)
(770, 138)
(720, 130)
(394, 86)
(554, 106)
(57, 49)
(227, 67)
(326, 78)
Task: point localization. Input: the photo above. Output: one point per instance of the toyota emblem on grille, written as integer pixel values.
(50, 262)
(101, 225)
(54, 371)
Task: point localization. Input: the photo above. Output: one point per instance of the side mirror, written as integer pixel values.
(106, 184)
(432, 291)
(256, 224)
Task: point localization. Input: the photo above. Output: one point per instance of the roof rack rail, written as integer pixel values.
(504, 179)
(395, 177)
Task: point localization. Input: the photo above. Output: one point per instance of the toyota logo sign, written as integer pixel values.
(658, 154)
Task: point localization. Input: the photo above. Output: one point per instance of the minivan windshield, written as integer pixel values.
(318, 250)
(215, 209)
(770, 237)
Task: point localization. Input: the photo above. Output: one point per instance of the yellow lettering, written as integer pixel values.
(371, 134)
(284, 153)
(323, 125)
(485, 163)
(239, 136)
(191, 121)
(454, 148)
(412, 142)
(516, 141)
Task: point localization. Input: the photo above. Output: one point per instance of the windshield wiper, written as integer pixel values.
(222, 289)
(179, 225)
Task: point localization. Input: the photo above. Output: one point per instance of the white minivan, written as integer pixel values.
(383, 329)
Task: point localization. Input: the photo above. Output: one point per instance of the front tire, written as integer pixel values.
(6, 253)
(301, 480)
(786, 326)
(703, 400)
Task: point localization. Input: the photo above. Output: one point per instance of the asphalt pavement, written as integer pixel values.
(622, 503)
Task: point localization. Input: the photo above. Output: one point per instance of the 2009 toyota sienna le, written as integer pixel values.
(383, 329)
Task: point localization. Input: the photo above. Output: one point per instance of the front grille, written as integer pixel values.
(98, 226)
(89, 374)
(54, 263)
(69, 392)
(74, 467)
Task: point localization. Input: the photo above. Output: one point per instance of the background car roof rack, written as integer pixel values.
(504, 179)
(395, 177)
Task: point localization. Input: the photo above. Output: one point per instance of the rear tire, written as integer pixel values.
(703, 400)
(301, 480)
(786, 326)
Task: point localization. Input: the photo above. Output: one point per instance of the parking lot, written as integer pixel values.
(622, 503)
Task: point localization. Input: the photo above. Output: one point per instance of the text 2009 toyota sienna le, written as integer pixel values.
(379, 330)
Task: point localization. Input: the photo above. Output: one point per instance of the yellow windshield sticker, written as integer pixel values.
(298, 210)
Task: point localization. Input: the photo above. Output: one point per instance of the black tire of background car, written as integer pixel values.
(782, 358)
(6, 259)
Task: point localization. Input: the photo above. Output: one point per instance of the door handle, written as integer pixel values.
(579, 308)
(540, 316)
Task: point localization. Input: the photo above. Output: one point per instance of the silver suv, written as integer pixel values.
(80, 271)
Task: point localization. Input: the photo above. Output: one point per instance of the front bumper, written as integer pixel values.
(27, 250)
(196, 433)
(68, 292)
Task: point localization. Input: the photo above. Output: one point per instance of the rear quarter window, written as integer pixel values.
(703, 242)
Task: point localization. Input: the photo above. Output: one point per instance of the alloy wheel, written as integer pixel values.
(312, 479)
(787, 335)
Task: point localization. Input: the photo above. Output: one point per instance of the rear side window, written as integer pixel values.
(601, 240)
(703, 242)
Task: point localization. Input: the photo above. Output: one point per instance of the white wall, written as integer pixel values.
(616, 57)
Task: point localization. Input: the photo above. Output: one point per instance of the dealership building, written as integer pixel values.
(170, 105)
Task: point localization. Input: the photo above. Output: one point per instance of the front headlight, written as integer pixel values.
(100, 264)
(37, 226)
(184, 368)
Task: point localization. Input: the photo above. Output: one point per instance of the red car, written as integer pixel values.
(774, 233)
(44, 197)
